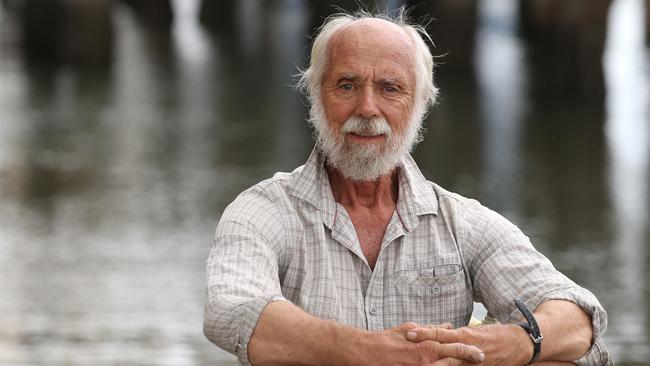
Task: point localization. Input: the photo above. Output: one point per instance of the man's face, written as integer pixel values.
(369, 75)
(367, 92)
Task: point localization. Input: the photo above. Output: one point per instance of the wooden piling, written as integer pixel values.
(567, 40)
(89, 33)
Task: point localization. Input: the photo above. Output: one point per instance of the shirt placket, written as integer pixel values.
(375, 302)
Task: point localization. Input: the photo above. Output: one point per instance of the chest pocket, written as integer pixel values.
(440, 280)
(433, 295)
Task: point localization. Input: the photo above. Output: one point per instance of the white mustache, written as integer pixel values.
(366, 127)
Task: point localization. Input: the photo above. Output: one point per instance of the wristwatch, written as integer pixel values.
(532, 329)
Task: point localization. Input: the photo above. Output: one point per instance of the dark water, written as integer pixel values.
(111, 182)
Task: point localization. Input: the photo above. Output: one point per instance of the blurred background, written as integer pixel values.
(126, 126)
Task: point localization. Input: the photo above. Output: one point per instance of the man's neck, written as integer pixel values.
(381, 192)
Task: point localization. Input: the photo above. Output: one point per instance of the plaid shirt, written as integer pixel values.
(286, 239)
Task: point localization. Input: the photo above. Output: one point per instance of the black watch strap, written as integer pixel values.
(532, 329)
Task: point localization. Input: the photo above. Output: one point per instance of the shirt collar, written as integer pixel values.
(416, 195)
(311, 184)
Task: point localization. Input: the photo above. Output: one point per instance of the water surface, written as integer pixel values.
(111, 182)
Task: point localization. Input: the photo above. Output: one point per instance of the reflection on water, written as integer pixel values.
(628, 145)
(111, 182)
(500, 69)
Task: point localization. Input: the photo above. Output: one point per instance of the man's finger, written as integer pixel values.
(441, 335)
(460, 351)
(443, 326)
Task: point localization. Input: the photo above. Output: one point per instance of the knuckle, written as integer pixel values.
(461, 351)
(434, 334)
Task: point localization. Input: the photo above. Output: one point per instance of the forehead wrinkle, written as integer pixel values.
(379, 28)
(386, 42)
(372, 38)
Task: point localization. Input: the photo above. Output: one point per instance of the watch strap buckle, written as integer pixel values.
(532, 328)
(536, 339)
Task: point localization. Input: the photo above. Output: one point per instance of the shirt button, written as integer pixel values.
(436, 289)
(373, 311)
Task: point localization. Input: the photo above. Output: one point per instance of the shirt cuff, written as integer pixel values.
(597, 354)
(249, 319)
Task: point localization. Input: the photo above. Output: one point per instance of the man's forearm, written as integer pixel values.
(286, 335)
(566, 329)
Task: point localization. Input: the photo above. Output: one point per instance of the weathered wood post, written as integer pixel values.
(75, 31)
(218, 15)
(42, 31)
(566, 39)
(89, 32)
(153, 13)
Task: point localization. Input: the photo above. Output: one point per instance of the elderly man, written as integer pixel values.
(353, 257)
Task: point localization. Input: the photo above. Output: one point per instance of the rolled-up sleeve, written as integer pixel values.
(504, 265)
(242, 272)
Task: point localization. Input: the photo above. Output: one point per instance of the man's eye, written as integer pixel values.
(346, 86)
(391, 89)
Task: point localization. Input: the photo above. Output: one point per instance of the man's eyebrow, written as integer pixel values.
(389, 81)
(350, 77)
(383, 81)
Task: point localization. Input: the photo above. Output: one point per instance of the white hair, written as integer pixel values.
(425, 90)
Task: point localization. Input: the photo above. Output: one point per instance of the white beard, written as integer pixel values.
(364, 162)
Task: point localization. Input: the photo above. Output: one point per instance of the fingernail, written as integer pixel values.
(481, 357)
(411, 335)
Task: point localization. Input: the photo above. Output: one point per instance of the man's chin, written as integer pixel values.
(368, 165)
(363, 149)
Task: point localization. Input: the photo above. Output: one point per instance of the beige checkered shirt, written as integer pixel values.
(286, 239)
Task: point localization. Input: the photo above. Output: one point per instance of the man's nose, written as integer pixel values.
(367, 104)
